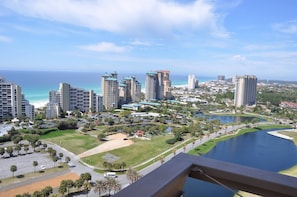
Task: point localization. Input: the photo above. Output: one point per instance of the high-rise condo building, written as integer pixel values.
(12, 102)
(192, 82)
(245, 91)
(157, 85)
(165, 84)
(69, 98)
(110, 91)
(151, 82)
(129, 90)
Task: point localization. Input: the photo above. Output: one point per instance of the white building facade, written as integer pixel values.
(12, 102)
(245, 91)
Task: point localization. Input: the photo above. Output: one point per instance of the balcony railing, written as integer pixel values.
(168, 180)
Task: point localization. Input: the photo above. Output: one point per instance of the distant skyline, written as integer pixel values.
(202, 37)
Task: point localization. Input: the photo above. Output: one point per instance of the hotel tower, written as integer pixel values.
(245, 90)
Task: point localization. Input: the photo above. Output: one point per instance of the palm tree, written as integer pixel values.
(79, 183)
(9, 151)
(67, 160)
(69, 184)
(54, 160)
(99, 187)
(35, 163)
(17, 148)
(2, 151)
(13, 169)
(132, 175)
(47, 191)
(87, 186)
(110, 183)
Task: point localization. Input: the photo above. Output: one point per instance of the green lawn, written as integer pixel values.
(71, 140)
(290, 134)
(140, 151)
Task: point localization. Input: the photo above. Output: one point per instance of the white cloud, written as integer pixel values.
(289, 27)
(104, 47)
(5, 39)
(129, 16)
(141, 43)
(238, 58)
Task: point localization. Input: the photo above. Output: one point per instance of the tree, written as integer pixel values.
(54, 160)
(79, 183)
(63, 187)
(35, 163)
(13, 169)
(26, 149)
(112, 184)
(37, 194)
(16, 139)
(9, 151)
(47, 191)
(67, 159)
(87, 186)
(2, 151)
(18, 148)
(86, 177)
(61, 155)
(99, 187)
(69, 184)
(44, 146)
(132, 175)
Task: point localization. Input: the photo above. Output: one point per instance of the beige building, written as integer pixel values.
(110, 91)
(158, 85)
(245, 91)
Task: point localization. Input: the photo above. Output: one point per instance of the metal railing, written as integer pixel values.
(168, 180)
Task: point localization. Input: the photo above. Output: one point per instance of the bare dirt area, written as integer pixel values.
(30, 188)
(115, 141)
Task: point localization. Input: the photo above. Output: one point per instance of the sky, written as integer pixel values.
(201, 37)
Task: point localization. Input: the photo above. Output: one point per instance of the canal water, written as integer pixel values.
(258, 149)
(228, 119)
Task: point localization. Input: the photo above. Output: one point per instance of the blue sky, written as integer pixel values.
(202, 37)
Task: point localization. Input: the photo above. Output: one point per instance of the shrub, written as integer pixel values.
(171, 141)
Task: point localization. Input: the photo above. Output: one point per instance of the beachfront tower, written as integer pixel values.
(192, 82)
(110, 91)
(157, 85)
(151, 82)
(12, 102)
(245, 91)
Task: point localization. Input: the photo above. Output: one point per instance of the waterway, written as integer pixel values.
(257, 149)
(228, 119)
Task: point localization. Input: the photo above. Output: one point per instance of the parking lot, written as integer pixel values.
(24, 164)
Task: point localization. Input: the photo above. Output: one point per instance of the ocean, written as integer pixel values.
(36, 85)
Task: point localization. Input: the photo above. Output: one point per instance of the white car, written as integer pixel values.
(42, 167)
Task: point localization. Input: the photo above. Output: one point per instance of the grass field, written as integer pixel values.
(140, 151)
(290, 134)
(71, 140)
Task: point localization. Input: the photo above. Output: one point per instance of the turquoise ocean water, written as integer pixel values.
(37, 84)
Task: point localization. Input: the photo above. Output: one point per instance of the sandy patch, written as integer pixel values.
(30, 188)
(115, 141)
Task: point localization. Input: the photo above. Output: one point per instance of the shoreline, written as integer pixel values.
(277, 134)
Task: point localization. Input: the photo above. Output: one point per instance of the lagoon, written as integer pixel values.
(257, 149)
(227, 119)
